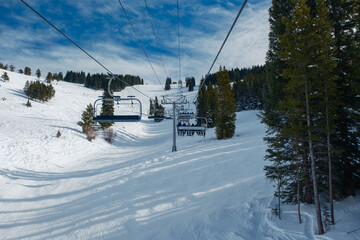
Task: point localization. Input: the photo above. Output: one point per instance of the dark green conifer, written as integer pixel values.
(5, 77)
(225, 116)
(49, 77)
(38, 73)
(201, 102)
(168, 84)
(27, 71)
(87, 123)
(107, 108)
(211, 105)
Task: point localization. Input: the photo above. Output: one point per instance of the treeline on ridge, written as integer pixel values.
(248, 85)
(98, 81)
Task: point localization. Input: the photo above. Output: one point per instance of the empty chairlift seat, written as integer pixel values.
(125, 109)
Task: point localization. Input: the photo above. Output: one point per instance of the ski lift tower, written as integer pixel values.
(174, 100)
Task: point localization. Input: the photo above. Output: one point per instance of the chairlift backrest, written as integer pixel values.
(117, 117)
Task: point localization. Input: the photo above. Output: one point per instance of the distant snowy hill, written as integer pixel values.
(136, 188)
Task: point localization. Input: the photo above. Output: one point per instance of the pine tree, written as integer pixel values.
(89, 81)
(190, 83)
(272, 115)
(107, 108)
(38, 73)
(158, 110)
(87, 123)
(325, 70)
(225, 116)
(152, 109)
(27, 71)
(168, 84)
(201, 102)
(49, 77)
(346, 21)
(301, 52)
(211, 105)
(5, 77)
(12, 68)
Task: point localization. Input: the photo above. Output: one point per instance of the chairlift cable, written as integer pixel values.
(156, 40)
(88, 54)
(178, 18)
(217, 55)
(140, 43)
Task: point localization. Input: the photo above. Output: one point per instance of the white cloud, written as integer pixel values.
(202, 31)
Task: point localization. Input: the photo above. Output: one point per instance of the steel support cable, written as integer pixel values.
(156, 40)
(217, 55)
(178, 18)
(88, 54)
(138, 39)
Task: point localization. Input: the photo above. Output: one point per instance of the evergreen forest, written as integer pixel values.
(39, 91)
(311, 103)
(98, 81)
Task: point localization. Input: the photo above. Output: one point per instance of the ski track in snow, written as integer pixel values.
(136, 188)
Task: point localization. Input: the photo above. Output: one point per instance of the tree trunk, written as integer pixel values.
(307, 183)
(313, 167)
(298, 179)
(279, 196)
(332, 218)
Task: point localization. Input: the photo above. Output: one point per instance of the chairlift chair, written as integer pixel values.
(117, 117)
(189, 130)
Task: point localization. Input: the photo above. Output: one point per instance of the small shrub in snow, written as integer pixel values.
(90, 132)
(28, 104)
(109, 135)
(58, 134)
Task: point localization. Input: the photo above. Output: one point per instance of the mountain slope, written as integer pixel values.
(70, 188)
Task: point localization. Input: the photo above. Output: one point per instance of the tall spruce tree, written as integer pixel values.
(211, 103)
(307, 51)
(201, 102)
(225, 115)
(325, 73)
(346, 21)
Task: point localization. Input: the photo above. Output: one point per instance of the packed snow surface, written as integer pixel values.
(136, 188)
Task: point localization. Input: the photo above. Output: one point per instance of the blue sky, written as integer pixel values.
(101, 28)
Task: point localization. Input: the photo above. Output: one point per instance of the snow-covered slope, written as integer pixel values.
(70, 188)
